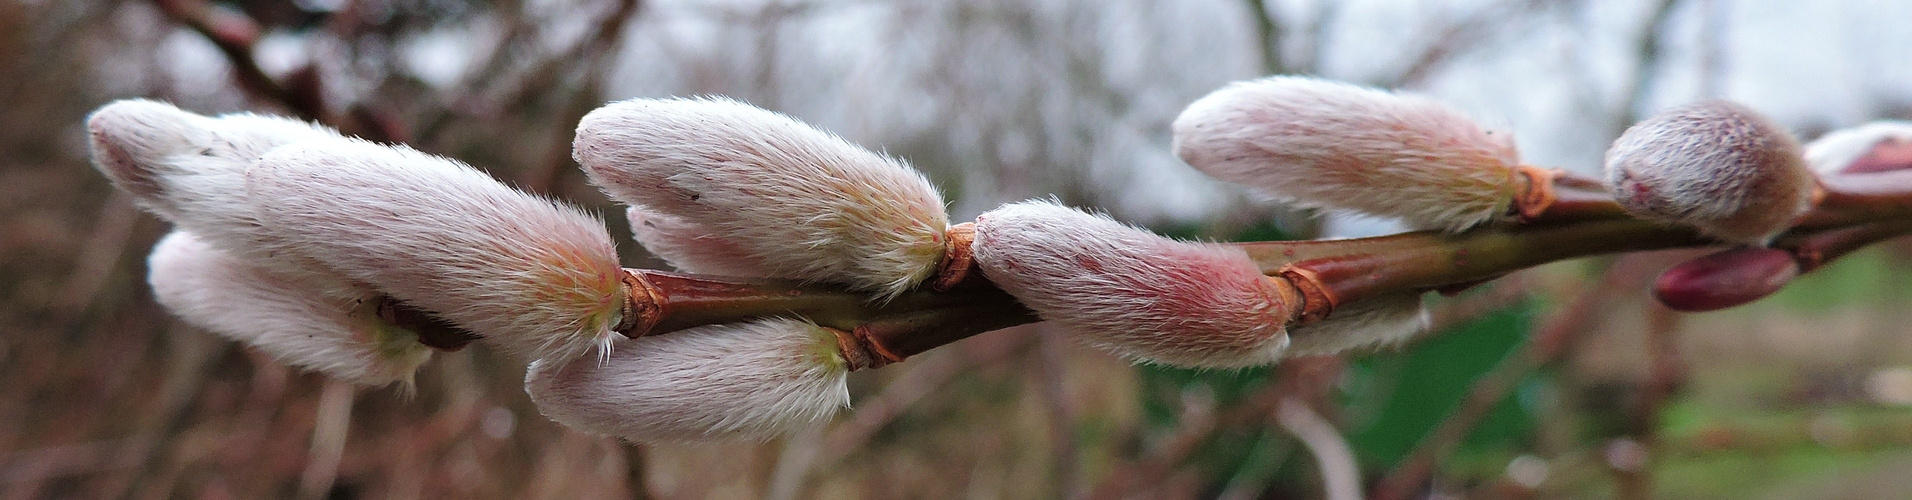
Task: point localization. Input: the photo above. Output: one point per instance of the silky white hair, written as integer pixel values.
(798, 201)
(689, 246)
(1135, 293)
(1323, 144)
(738, 380)
(1834, 152)
(537, 278)
(1378, 322)
(1717, 166)
(327, 326)
(190, 170)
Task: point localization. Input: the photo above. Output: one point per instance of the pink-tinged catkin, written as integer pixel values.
(327, 326)
(534, 277)
(1135, 293)
(1325, 144)
(797, 201)
(1880, 146)
(737, 381)
(1717, 166)
(190, 169)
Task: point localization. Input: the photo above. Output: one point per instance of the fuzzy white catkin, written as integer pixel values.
(190, 169)
(1130, 291)
(330, 327)
(1324, 144)
(1377, 322)
(534, 277)
(800, 202)
(1717, 166)
(690, 247)
(738, 380)
(1836, 151)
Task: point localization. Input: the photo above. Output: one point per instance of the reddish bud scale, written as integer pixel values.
(1725, 279)
(1133, 292)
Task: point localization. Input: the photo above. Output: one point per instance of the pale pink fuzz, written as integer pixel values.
(190, 169)
(1325, 144)
(798, 201)
(690, 247)
(1138, 294)
(327, 326)
(1844, 150)
(1717, 166)
(740, 380)
(1373, 323)
(537, 278)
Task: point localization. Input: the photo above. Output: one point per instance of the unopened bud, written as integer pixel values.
(535, 277)
(1135, 293)
(1725, 279)
(190, 169)
(798, 201)
(327, 326)
(1324, 144)
(1372, 323)
(736, 380)
(691, 247)
(1880, 146)
(1716, 166)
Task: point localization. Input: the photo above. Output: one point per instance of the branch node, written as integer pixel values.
(861, 349)
(1317, 300)
(958, 261)
(1538, 194)
(643, 305)
(870, 342)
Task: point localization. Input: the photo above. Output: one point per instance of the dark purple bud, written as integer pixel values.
(1725, 279)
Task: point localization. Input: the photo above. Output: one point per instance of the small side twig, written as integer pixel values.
(1335, 458)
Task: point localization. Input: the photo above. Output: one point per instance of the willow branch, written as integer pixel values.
(1857, 210)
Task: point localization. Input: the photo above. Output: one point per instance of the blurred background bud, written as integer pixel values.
(1325, 144)
(327, 326)
(1135, 293)
(1879, 146)
(1715, 165)
(537, 278)
(801, 202)
(742, 380)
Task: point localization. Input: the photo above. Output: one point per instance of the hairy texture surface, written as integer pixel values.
(534, 277)
(738, 380)
(1879, 146)
(327, 326)
(800, 202)
(1130, 291)
(1374, 323)
(1318, 143)
(190, 169)
(1716, 166)
(691, 247)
